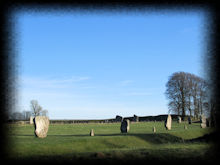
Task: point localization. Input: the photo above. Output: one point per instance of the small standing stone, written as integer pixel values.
(92, 132)
(154, 129)
(31, 120)
(41, 124)
(203, 121)
(168, 122)
(179, 119)
(185, 127)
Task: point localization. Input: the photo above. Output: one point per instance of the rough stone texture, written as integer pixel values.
(41, 124)
(154, 129)
(125, 126)
(185, 127)
(168, 122)
(92, 132)
(203, 121)
(179, 119)
(31, 120)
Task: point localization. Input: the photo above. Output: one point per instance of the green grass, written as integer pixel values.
(70, 141)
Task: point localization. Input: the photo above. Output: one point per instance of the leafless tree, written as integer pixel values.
(35, 108)
(187, 93)
(44, 112)
(176, 92)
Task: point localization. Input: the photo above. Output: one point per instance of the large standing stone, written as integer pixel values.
(125, 126)
(41, 124)
(168, 122)
(31, 120)
(179, 119)
(203, 121)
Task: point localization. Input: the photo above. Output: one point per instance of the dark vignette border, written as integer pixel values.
(8, 63)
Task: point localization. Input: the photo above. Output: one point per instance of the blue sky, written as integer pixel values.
(98, 65)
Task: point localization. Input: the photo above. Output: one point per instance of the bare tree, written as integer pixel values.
(176, 92)
(44, 112)
(187, 93)
(35, 108)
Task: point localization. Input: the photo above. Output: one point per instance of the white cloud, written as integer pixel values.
(36, 82)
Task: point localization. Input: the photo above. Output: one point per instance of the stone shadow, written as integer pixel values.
(155, 138)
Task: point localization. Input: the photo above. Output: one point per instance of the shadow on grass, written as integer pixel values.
(157, 138)
(116, 157)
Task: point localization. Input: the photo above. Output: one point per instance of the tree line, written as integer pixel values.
(189, 94)
(35, 110)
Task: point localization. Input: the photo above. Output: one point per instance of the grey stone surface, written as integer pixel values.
(125, 126)
(185, 127)
(41, 124)
(168, 123)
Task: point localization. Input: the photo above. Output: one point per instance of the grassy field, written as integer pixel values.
(72, 142)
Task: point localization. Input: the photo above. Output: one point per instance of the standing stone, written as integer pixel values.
(179, 119)
(125, 126)
(154, 129)
(189, 120)
(203, 121)
(185, 127)
(128, 125)
(31, 120)
(41, 124)
(168, 122)
(92, 132)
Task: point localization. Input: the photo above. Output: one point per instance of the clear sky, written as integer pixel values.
(97, 65)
